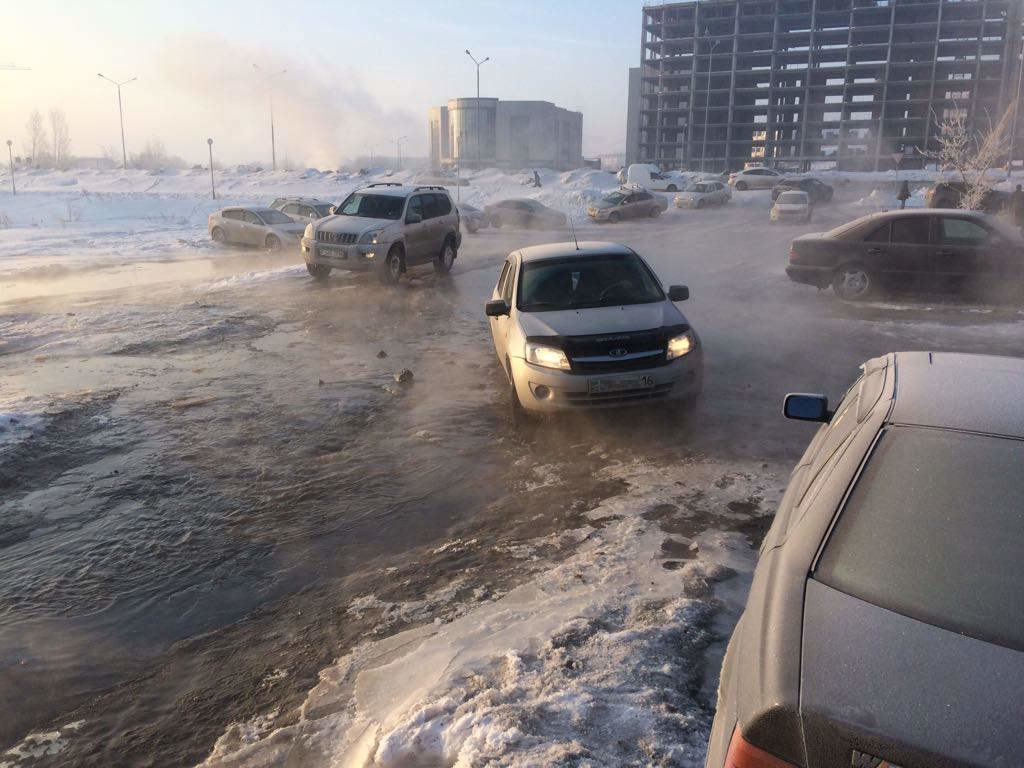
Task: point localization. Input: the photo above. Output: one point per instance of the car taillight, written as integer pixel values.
(743, 754)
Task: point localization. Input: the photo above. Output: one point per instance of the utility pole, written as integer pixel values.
(707, 103)
(213, 190)
(398, 152)
(371, 159)
(10, 154)
(1016, 108)
(120, 112)
(269, 77)
(478, 63)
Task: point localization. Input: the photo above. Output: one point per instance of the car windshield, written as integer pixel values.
(934, 530)
(371, 206)
(614, 198)
(581, 282)
(270, 216)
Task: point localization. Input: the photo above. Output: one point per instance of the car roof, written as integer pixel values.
(974, 393)
(399, 190)
(585, 248)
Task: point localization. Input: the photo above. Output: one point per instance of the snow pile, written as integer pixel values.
(37, 745)
(881, 200)
(599, 660)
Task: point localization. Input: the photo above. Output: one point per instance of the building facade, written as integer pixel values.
(505, 134)
(859, 83)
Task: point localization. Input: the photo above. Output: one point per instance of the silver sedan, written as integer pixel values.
(701, 194)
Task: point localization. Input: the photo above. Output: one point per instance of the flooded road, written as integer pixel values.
(206, 460)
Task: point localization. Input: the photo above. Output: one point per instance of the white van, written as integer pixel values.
(650, 177)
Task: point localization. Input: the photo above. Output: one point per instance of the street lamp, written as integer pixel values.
(1016, 108)
(707, 103)
(371, 158)
(10, 154)
(213, 190)
(269, 77)
(478, 63)
(398, 152)
(120, 112)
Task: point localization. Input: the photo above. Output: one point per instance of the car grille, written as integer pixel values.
(611, 353)
(625, 396)
(343, 238)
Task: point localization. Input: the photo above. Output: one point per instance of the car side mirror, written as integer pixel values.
(803, 407)
(678, 293)
(413, 218)
(496, 308)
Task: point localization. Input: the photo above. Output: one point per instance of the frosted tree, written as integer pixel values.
(36, 143)
(971, 154)
(61, 137)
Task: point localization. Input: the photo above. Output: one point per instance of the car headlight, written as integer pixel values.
(309, 231)
(680, 345)
(548, 357)
(369, 237)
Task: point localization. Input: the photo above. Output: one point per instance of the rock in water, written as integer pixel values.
(404, 376)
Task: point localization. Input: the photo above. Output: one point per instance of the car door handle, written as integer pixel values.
(945, 253)
(875, 251)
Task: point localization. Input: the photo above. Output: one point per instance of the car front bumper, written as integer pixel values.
(819, 277)
(678, 380)
(354, 257)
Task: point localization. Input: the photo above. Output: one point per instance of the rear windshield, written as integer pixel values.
(589, 281)
(371, 206)
(934, 530)
(793, 197)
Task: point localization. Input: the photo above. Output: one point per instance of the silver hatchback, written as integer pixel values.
(590, 326)
(263, 227)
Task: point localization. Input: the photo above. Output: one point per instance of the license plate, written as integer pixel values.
(620, 384)
(340, 253)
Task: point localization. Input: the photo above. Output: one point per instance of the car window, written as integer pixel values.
(291, 208)
(880, 235)
(444, 204)
(236, 215)
(912, 231)
(306, 212)
(251, 218)
(323, 210)
(270, 216)
(415, 206)
(961, 231)
(933, 530)
(431, 209)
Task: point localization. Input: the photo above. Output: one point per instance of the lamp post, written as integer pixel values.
(370, 148)
(213, 190)
(478, 63)
(269, 77)
(1016, 109)
(707, 103)
(10, 154)
(120, 112)
(398, 152)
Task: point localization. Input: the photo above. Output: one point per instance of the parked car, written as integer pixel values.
(650, 177)
(262, 227)
(910, 249)
(473, 219)
(818, 191)
(589, 326)
(627, 203)
(530, 214)
(754, 178)
(387, 228)
(302, 209)
(703, 193)
(884, 625)
(948, 194)
(791, 206)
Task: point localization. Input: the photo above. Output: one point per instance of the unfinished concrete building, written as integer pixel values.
(860, 84)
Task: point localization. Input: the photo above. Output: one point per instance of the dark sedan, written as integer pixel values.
(885, 623)
(818, 191)
(530, 214)
(913, 249)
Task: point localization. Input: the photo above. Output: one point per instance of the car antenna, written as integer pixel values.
(572, 229)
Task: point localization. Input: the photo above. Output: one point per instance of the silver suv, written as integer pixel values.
(387, 228)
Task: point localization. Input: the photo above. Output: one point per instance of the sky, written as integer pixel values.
(359, 74)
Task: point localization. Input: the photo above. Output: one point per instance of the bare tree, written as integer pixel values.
(971, 154)
(36, 143)
(61, 137)
(154, 157)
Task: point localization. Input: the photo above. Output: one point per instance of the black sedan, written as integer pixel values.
(526, 213)
(923, 249)
(885, 621)
(818, 191)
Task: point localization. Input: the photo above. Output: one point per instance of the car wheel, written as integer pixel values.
(614, 217)
(391, 269)
(446, 258)
(495, 221)
(273, 243)
(853, 282)
(655, 212)
(700, 203)
(671, 188)
(218, 235)
(319, 271)
(741, 185)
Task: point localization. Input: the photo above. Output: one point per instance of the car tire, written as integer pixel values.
(391, 270)
(655, 212)
(671, 188)
(853, 282)
(446, 258)
(700, 204)
(273, 243)
(741, 185)
(218, 235)
(318, 271)
(614, 218)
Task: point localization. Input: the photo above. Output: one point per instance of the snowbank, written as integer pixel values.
(599, 658)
